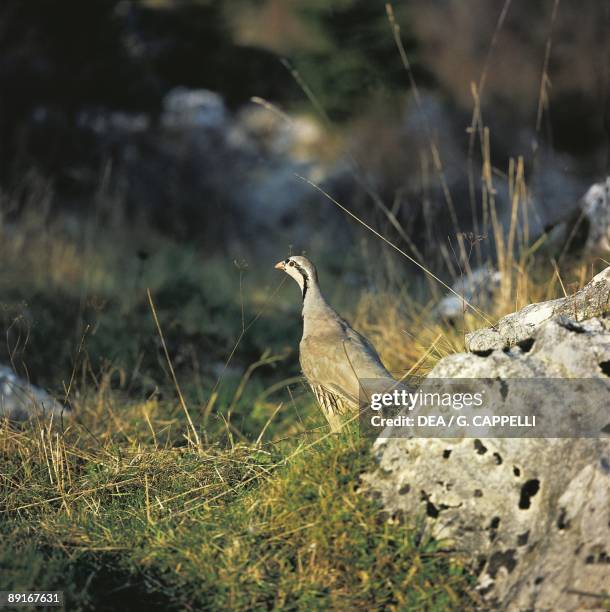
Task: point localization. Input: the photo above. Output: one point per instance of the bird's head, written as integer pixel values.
(301, 269)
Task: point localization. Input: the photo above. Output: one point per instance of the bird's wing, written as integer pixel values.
(343, 362)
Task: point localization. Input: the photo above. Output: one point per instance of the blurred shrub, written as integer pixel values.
(455, 39)
(344, 51)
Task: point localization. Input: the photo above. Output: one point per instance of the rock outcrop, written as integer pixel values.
(20, 401)
(476, 288)
(533, 514)
(586, 230)
(591, 301)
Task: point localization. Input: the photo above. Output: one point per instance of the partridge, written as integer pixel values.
(340, 365)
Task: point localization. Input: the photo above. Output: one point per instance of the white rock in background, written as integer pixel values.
(20, 401)
(277, 133)
(270, 129)
(585, 230)
(185, 108)
(596, 209)
(476, 288)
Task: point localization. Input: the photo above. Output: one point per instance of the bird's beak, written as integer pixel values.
(280, 265)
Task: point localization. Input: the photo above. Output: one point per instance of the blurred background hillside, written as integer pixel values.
(152, 144)
(112, 91)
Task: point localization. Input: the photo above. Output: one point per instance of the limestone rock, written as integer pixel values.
(185, 108)
(475, 288)
(586, 230)
(591, 301)
(532, 513)
(20, 401)
(596, 209)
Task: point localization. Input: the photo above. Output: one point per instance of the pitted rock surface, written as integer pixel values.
(533, 514)
(592, 300)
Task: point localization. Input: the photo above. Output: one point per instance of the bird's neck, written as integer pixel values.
(315, 306)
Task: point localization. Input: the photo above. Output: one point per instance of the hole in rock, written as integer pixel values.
(597, 556)
(570, 325)
(493, 528)
(404, 489)
(478, 493)
(528, 490)
(605, 367)
(431, 510)
(480, 447)
(526, 345)
(516, 471)
(500, 559)
(562, 523)
(498, 458)
(522, 538)
(446, 453)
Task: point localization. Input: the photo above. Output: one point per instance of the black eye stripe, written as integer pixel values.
(299, 268)
(305, 276)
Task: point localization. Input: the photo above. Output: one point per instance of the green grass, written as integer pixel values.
(119, 510)
(280, 526)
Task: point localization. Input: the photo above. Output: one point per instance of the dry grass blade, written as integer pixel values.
(434, 150)
(173, 373)
(264, 429)
(396, 248)
(543, 96)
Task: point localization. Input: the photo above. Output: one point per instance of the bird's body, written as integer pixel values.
(341, 366)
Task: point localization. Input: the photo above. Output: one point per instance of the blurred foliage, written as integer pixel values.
(356, 60)
(60, 57)
(65, 65)
(78, 307)
(57, 59)
(344, 50)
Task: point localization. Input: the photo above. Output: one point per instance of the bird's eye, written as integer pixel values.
(291, 263)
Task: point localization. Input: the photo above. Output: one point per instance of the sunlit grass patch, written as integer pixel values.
(280, 525)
